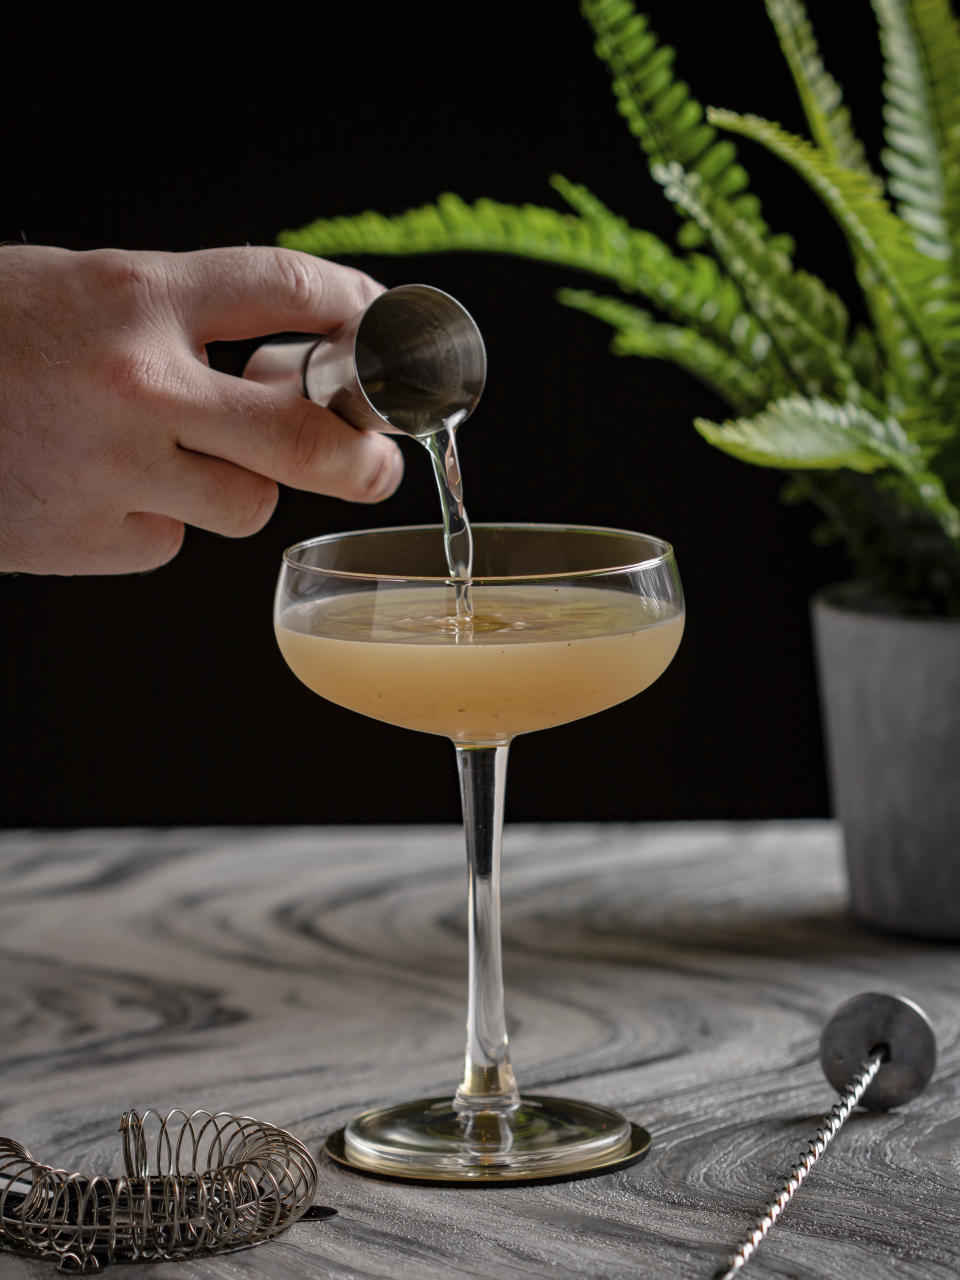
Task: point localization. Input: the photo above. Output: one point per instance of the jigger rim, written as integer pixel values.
(415, 287)
(664, 556)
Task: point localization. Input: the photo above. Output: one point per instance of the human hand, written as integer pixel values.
(114, 431)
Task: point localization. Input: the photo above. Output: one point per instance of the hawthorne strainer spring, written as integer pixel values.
(192, 1182)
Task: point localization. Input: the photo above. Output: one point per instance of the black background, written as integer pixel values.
(161, 698)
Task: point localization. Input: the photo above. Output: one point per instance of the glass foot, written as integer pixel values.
(542, 1139)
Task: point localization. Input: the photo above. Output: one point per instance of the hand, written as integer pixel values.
(114, 431)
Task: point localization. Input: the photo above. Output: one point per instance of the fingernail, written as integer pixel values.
(390, 474)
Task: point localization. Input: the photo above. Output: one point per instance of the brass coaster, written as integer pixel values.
(637, 1149)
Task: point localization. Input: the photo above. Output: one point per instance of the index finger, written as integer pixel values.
(249, 291)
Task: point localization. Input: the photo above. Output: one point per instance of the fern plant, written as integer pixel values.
(864, 418)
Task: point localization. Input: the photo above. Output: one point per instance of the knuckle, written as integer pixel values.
(312, 450)
(246, 506)
(129, 278)
(315, 449)
(367, 288)
(310, 283)
(301, 279)
(357, 465)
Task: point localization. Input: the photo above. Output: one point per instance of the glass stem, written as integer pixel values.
(488, 1081)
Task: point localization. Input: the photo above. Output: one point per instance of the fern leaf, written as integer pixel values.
(873, 230)
(938, 33)
(867, 360)
(798, 433)
(922, 117)
(926, 40)
(820, 95)
(638, 333)
(829, 122)
(805, 320)
(692, 289)
(661, 113)
(530, 231)
(807, 433)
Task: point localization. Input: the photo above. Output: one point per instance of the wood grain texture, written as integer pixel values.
(681, 973)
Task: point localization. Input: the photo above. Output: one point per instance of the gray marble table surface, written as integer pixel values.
(681, 973)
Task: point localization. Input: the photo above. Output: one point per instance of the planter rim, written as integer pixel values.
(852, 598)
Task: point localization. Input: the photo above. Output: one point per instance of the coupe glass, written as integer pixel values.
(565, 621)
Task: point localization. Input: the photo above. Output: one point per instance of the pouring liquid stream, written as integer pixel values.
(457, 536)
(431, 414)
(437, 434)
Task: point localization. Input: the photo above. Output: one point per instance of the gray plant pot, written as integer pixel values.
(890, 696)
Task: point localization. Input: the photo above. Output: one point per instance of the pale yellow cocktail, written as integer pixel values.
(531, 657)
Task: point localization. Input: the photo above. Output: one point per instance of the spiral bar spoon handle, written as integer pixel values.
(892, 1040)
(830, 1126)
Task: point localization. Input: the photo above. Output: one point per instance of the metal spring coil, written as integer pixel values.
(216, 1182)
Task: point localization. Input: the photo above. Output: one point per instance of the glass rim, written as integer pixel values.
(665, 556)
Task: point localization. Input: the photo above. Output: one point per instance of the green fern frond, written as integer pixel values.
(938, 34)
(797, 433)
(530, 231)
(921, 48)
(922, 115)
(663, 116)
(639, 333)
(692, 289)
(873, 230)
(806, 321)
(810, 433)
(592, 209)
(820, 95)
(934, 109)
(831, 129)
(867, 359)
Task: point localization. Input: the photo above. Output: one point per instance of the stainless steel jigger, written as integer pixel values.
(413, 361)
(879, 1051)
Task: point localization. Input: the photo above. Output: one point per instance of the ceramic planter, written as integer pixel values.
(890, 696)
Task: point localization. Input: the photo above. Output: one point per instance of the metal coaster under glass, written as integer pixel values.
(543, 1139)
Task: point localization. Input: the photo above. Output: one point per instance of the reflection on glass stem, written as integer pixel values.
(488, 1081)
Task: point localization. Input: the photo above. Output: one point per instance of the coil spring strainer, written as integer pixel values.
(193, 1182)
